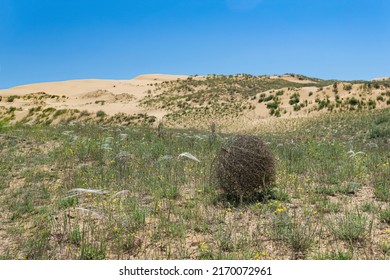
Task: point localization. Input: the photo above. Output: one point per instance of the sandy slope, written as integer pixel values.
(381, 79)
(292, 79)
(124, 96)
(77, 88)
(118, 95)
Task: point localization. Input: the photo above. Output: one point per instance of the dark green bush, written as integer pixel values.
(272, 105)
(100, 114)
(353, 101)
(294, 99)
(11, 98)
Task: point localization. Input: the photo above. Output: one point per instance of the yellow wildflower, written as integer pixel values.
(203, 246)
(280, 208)
(260, 256)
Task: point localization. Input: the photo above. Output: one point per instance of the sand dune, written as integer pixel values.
(159, 77)
(117, 96)
(77, 87)
(126, 96)
(92, 95)
(293, 79)
(381, 79)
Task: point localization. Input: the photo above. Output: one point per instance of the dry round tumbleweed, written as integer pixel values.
(245, 167)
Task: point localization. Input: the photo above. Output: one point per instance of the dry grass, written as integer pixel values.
(114, 192)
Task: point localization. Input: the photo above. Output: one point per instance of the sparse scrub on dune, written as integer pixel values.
(11, 98)
(59, 113)
(183, 96)
(380, 98)
(49, 110)
(371, 104)
(245, 167)
(347, 87)
(353, 101)
(100, 114)
(279, 93)
(272, 105)
(101, 102)
(294, 99)
(84, 113)
(335, 88)
(191, 93)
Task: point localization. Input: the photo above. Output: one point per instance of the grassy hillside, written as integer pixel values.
(90, 191)
(191, 102)
(199, 99)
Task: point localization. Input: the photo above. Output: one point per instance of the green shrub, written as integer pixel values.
(335, 89)
(49, 110)
(102, 102)
(11, 98)
(84, 113)
(100, 114)
(297, 107)
(59, 112)
(279, 93)
(371, 104)
(347, 87)
(294, 99)
(385, 215)
(353, 101)
(272, 105)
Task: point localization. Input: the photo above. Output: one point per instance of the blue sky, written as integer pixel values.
(47, 40)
